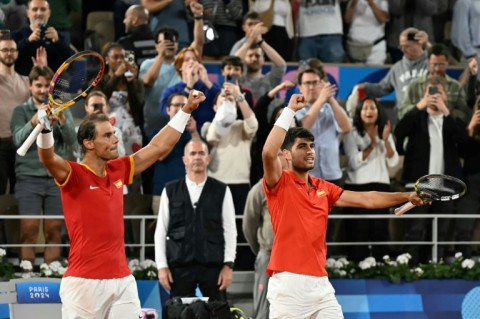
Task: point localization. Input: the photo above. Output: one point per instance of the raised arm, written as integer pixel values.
(377, 200)
(162, 143)
(198, 35)
(271, 163)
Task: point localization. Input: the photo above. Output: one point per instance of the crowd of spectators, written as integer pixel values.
(158, 58)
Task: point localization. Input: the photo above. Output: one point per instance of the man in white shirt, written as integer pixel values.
(196, 236)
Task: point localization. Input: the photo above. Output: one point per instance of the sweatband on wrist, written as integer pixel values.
(45, 140)
(285, 119)
(179, 121)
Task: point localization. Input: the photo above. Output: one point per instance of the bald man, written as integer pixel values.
(139, 38)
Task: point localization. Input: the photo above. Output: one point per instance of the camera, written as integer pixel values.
(432, 90)
(130, 57)
(411, 36)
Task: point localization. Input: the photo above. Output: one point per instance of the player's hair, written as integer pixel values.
(87, 129)
(294, 133)
(38, 71)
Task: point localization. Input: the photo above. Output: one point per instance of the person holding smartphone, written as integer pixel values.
(429, 136)
(437, 65)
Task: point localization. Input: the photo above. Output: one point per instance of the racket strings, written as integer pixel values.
(436, 188)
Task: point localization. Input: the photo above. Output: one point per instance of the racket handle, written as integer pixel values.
(22, 150)
(403, 209)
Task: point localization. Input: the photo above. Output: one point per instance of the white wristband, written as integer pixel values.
(45, 140)
(285, 119)
(179, 121)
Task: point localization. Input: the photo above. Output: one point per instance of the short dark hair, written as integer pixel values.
(165, 30)
(38, 71)
(87, 129)
(232, 60)
(310, 71)
(438, 49)
(250, 15)
(294, 133)
(171, 96)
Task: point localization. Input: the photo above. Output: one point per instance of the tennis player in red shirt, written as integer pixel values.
(98, 282)
(299, 205)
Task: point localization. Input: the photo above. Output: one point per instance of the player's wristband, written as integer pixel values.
(45, 140)
(285, 119)
(179, 121)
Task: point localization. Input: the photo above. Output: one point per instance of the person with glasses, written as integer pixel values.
(14, 90)
(170, 166)
(437, 65)
(413, 65)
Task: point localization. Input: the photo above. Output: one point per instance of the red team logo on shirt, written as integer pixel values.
(118, 183)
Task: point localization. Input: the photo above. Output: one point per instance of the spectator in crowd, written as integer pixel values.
(366, 41)
(139, 38)
(14, 90)
(224, 16)
(370, 150)
(159, 72)
(93, 199)
(434, 136)
(326, 120)
(230, 140)
(470, 204)
(61, 16)
(232, 71)
(413, 65)
(470, 82)
(249, 21)
(437, 65)
(410, 13)
(170, 13)
(299, 205)
(312, 63)
(119, 9)
(465, 31)
(125, 95)
(170, 167)
(320, 31)
(194, 76)
(202, 206)
(265, 124)
(253, 52)
(35, 189)
(15, 12)
(39, 34)
(278, 18)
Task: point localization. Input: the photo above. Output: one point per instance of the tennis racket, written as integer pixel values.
(72, 81)
(435, 187)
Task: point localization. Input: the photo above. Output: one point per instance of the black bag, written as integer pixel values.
(199, 309)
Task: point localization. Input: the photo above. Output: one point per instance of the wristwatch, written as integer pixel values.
(240, 98)
(229, 264)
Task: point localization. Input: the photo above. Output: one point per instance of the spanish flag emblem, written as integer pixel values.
(320, 193)
(118, 184)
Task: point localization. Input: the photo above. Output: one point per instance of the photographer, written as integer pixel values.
(39, 34)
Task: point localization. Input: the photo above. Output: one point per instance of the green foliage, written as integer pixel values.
(7, 271)
(399, 270)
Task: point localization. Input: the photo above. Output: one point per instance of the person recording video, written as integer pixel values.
(39, 34)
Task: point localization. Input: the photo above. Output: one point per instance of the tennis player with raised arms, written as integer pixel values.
(98, 282)
(299, 205)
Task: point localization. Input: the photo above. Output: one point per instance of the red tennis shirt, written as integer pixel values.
(299, 218)
(93, 210)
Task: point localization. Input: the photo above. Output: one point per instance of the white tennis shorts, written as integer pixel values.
(301, 296)
(99, 298)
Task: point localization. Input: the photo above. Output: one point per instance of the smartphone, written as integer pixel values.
(432, 90)
(43, 29)
(231, 79)
(169, 36)
(130, 56)
(411, 36)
